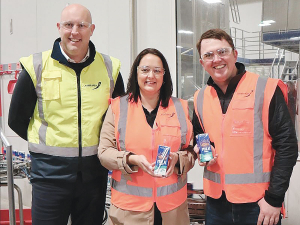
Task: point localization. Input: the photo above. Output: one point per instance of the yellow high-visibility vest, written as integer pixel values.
(64, 100)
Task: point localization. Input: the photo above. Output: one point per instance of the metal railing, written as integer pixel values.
(279, 57)
(10, 180)
(249, 44)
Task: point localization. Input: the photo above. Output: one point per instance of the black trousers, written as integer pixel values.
(221, 211)
(157, 216)
(54, 202)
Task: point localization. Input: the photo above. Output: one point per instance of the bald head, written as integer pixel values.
(75, 29)
(76, 10)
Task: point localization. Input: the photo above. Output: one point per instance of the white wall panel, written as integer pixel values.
(18, 29)
(111, 19)
(156, 28)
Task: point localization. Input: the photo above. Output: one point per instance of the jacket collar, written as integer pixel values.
(233, 82)
(57, 55)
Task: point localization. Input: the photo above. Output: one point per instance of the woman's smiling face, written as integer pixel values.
(150, 81)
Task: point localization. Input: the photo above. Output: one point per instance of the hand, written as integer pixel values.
(142, 162)
(211, 162)
(268, 214)
(173, 159)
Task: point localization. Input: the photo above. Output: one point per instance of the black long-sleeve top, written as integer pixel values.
(281, 129)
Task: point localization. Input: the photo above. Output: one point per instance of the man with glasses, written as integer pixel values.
(58, 105)
(251, 133)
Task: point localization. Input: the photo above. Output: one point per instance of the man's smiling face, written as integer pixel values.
(220, 69)
(75, 41)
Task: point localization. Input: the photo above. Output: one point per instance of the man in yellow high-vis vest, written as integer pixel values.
(58, 106)
(252, 133)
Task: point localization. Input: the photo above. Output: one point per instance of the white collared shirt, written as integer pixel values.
(71, 60)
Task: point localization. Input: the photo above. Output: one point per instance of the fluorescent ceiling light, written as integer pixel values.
(212, 1)
(178, 46)
(268, 21)
(264, 24)
(185, 32)
(295, 38)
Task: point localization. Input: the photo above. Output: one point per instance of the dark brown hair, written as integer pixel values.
(214, 34)
(166, 89)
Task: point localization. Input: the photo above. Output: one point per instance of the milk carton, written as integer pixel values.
(203, 144)
(161, 163)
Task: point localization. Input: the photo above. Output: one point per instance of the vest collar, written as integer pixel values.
(232, 83)
(57, 55)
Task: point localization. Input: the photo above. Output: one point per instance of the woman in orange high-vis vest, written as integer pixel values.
(253, 136)
(134, 126)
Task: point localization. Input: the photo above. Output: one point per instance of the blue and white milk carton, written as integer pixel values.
(203, 144)
(161, 163)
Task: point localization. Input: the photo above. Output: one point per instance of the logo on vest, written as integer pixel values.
(245, 93)
(95, 86)
(168, 114)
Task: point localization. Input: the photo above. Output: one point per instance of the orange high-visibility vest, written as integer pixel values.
(133, 134)
(241, 138)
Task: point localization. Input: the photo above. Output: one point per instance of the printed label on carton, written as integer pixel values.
(161, 163)
(203, 144)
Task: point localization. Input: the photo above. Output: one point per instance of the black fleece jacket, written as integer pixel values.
(281, 129)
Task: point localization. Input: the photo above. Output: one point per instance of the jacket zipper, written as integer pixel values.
(79, 119)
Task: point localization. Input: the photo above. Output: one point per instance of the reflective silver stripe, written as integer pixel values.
(62, 151)
(123, 121)
(108, 64)
(172, 188)
(258, 176)
(123, 187)
(182, 120)
(247, 178)
(258, 132)
(212, 176)
(38, 64)
(200, 104)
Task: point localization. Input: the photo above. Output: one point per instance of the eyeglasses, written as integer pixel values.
(222, 52)
(81, 26)
(157, 71)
